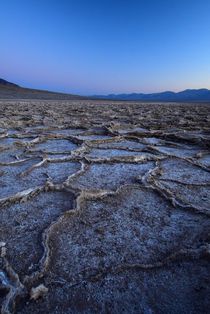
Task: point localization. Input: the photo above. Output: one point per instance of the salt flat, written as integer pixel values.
(105, 207)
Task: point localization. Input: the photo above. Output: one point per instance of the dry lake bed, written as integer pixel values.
(105, 207)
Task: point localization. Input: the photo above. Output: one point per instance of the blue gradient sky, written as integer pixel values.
(97, 47)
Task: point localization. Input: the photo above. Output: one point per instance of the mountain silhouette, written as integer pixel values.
(186, 95)
(10, 90)
(6, 83)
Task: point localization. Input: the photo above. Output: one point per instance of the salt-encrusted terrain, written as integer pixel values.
(105, 207)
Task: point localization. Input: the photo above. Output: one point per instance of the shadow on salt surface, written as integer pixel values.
(67, 132)
(183, 171)
(9, 141)
(197, 196)
(112, 153)
(58, 171)
(205, 160)
(94, 137)
(126, 144)
(23, 224)
(124, 131)
(178, 152)
(55, 146)
(110, 176)
(35, 129)
(11, 182)
(10, 155)
(193, 135)
(12, 131)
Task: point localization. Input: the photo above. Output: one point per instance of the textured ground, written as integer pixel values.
(105, 207)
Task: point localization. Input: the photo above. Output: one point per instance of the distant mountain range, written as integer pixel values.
(10, 90)
(186, 95)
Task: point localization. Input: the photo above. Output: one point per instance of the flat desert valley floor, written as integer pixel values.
(105, 207)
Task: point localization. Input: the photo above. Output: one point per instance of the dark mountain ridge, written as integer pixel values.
(6, 83)
(186, 95)
(10, 90)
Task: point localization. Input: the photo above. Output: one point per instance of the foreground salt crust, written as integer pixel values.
(104, 207)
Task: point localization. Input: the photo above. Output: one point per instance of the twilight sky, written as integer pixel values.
(106, 46)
